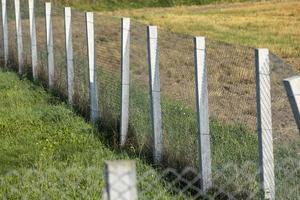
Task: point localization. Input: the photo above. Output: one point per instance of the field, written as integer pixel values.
(270, 24)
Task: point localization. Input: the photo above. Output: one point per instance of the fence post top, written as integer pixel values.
(48, 8)
(125, 19)
(291, 78)
(262, 61)
(68, 10)
(262, 51)
(125, 23)
(199, 42)
(89, 16)
(119, 163)
(152, 32)
(31, 4)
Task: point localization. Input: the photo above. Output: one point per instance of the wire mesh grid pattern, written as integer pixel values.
(231, 93)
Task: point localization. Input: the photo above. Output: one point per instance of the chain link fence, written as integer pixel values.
(232, 104)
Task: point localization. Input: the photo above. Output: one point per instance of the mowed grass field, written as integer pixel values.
(270, 24)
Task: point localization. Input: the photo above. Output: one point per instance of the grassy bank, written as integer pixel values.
(48, 151)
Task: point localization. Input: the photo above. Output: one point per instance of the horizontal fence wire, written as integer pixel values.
(231, 95)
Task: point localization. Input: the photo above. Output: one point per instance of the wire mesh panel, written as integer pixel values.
(60, 70)
(139, 107)
(26, 36)
(177, 72)
(232, 109)
(11, 34)
(284, 125)
(41, 41)
(108, 47)
(81, 87)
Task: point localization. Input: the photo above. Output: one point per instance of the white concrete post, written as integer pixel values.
(69, 53)
(92, 67)
(292, 87)
(33, 39)
(49, 38)
(125, 28)
(153, 59)
(121, 181)
(264, 124)
(19, 36)
(202, 114)
(5, 32)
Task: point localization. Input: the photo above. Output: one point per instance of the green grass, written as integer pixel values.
(48, 151)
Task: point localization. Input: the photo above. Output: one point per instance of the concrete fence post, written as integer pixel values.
(202, 114)
(5, 32)
(49, 38)
(19, 36)
(94, 115)
(153, 60)
(69, 53)
(121, 181)
(33, 39)
(125, 70)
(264, 124)
(292, 87)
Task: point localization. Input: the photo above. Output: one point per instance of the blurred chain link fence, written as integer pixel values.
(232, 101)
(88, 182)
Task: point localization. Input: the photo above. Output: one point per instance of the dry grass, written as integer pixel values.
(272, 24)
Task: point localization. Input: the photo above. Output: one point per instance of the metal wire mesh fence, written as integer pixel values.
(231, 96)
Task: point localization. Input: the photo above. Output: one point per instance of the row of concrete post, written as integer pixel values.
(264, 116)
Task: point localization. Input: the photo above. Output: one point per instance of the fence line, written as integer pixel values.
(69, 53)
(264, 124)
(202, 113)
(125, 62)
(264, 115)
